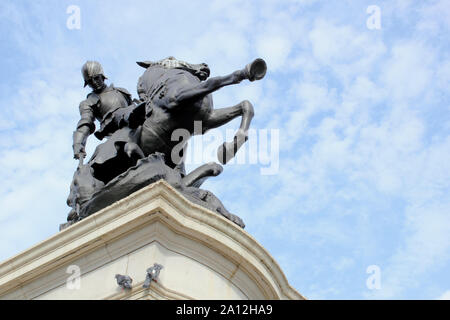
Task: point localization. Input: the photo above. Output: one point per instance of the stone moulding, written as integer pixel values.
(161, 207)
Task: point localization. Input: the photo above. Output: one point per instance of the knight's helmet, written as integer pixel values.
(91, 69)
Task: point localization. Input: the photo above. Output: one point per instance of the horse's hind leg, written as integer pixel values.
(219, 117)
(198, 176)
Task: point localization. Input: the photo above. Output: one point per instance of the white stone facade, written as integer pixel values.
(204, 255)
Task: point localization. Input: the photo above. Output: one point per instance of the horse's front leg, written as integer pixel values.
(202, 89)
(219, 117)
(253, 71)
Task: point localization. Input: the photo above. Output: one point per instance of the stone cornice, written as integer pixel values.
(161, 202)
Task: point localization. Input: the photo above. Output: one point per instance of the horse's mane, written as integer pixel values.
(155, 79)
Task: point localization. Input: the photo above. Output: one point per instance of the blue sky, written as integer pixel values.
(363, 118)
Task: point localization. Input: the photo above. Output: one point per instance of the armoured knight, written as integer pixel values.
(111, 106)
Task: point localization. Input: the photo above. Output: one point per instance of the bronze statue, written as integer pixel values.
(139, 147)
(179, 93)
(107, 104)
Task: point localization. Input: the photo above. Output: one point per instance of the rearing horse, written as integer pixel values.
(175, 95)
(179, 93)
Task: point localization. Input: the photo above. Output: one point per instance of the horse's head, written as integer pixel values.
(200, 70)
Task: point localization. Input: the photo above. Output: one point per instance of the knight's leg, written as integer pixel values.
(196, 177)
(219, 117)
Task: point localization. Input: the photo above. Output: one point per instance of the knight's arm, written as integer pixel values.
(134, 115)
(85, 127)
(125, 94)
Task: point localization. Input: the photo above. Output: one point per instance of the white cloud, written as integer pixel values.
(361, 116)
(344, 263)
(435, 18)
(347, 52)
(425, 249)
(445, 295)
(409, 71)
(275, 49)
